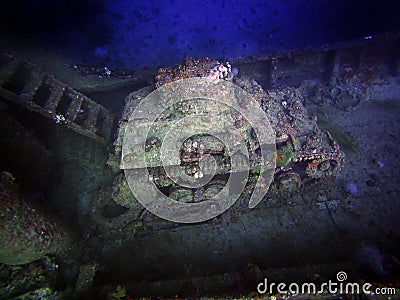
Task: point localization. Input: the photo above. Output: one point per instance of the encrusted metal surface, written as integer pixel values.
(304, 154)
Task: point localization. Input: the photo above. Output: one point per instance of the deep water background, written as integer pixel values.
(133, 34)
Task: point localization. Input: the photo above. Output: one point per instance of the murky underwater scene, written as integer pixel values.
(199, 149)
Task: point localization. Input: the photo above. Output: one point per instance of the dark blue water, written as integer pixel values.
(151, 33)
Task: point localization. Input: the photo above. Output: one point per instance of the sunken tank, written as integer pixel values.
(299, 153)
